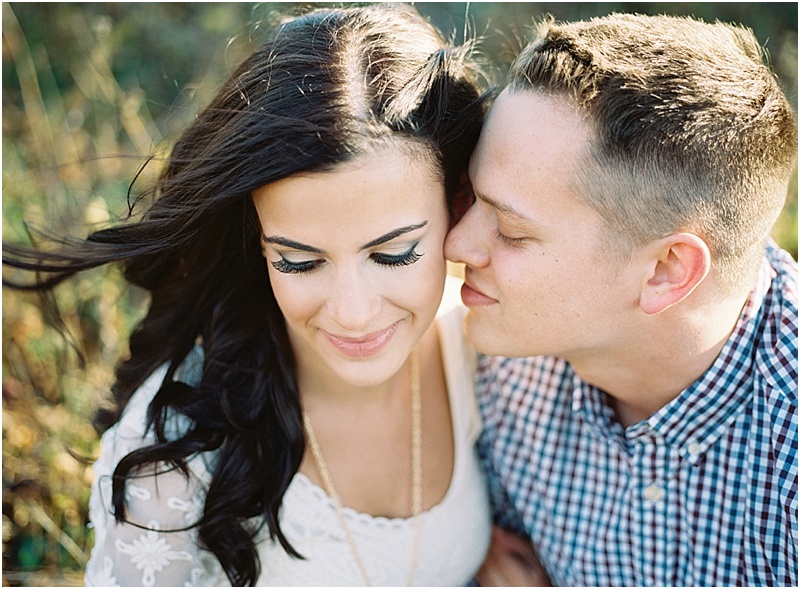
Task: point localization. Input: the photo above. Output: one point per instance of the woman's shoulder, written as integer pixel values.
(134, 416)
(457, 353)
(131, 430)
(459, 359)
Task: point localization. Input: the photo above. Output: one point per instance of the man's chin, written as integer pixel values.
(486, 339)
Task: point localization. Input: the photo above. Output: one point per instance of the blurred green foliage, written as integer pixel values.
(90, 90)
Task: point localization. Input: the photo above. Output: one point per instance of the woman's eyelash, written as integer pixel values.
(285, 266)
(405, 259)
(393, 261)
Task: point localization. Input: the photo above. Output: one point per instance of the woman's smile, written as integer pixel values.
(355, 260)
(366, 345)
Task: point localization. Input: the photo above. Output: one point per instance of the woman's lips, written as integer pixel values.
(472, 297)
(366, 345)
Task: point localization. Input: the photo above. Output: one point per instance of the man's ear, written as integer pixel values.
(677, 264)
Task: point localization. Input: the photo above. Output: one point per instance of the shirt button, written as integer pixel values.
(653, 493)
(694, 449)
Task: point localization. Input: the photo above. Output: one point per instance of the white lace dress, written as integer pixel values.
(454, 534)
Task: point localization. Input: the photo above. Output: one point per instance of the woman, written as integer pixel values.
(290, 412)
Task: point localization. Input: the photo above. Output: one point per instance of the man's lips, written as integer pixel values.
(364, 345)
(472, 297)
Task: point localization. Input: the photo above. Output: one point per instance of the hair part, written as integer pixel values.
(691, 131)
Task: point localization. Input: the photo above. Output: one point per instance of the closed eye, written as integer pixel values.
(286, 267)
(512, 241)
(390, 260)
(395, 261)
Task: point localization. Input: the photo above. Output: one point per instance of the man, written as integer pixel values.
(625, 185)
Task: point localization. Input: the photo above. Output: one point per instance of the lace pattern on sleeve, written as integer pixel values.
(157, 544)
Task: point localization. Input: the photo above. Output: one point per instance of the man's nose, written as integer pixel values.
(466, 241)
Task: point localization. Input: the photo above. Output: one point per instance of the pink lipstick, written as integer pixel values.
(362, 346)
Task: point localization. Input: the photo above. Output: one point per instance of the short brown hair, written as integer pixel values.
(691, 130)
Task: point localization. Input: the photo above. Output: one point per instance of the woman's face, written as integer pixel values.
(355, 257)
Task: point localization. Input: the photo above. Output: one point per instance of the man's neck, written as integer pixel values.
(667, 356)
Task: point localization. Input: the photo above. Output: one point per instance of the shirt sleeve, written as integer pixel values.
(505, 514)
(784, 462)
(157, 544)
(777, 363)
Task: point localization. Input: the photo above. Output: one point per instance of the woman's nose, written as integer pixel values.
(353, 301)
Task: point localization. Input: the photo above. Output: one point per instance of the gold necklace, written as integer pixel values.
(416, 473)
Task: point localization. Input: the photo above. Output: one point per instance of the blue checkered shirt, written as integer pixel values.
(704, 492)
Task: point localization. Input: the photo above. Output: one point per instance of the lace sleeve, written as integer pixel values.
(157, 545)
(154, 547)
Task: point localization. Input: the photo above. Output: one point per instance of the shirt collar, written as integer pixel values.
(701, 414)
(697, 417)
(776, 357)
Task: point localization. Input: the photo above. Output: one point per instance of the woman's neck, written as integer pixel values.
(318, 386)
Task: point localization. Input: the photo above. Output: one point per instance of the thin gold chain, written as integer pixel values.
(416, 474)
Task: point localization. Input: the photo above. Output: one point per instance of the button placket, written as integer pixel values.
(653, 463)
(653, 493)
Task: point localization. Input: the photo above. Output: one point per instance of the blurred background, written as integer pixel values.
(90, 90)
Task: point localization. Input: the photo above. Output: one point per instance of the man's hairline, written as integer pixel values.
(586, 157)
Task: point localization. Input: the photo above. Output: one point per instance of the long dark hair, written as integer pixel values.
(328, 86)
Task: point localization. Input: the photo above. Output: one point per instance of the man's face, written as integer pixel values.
(538, 280)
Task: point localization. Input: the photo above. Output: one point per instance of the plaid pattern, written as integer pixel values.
(702, 493)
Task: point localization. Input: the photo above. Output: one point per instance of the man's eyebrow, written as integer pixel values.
(296, 245)
(503, 208)
(393, 234)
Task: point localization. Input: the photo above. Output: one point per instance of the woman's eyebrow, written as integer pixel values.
(296, 245)
(393, 234)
